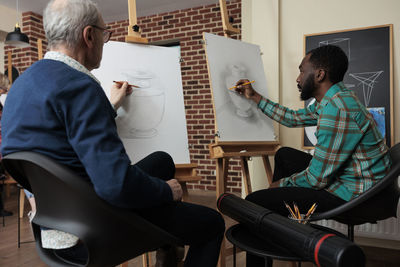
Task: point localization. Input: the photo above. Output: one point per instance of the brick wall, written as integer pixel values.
(188, 26)
(22, 58)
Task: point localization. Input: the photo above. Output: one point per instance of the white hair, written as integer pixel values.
(64, 21)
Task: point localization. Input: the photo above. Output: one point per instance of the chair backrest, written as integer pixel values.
(67, 202)
(378, 203)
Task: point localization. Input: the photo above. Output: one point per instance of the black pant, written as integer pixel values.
(287, 162)
(199, 227)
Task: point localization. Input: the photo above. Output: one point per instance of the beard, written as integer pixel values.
(308, 89)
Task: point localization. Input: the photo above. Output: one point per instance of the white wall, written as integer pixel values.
(293, 19)
(8, 18)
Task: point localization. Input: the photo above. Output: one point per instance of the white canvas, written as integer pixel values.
(237, 119)
(152, 118)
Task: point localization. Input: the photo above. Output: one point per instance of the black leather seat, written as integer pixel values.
(378, 203)
(68, 203)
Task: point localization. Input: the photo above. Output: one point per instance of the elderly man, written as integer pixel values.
(58, 108)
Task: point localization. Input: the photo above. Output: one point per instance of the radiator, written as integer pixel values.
(386, 229)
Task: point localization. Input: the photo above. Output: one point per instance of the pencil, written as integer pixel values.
(290, 210)
(296, 210)
(241, 84)
(311, 209)
(122, 82)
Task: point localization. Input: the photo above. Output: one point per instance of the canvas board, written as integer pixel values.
(237, 118)
(153, 117)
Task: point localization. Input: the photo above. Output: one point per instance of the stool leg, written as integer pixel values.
(21, 203)
(350, 232)
(268, 262)
(1, 195)
(19, 219)
(234, 256)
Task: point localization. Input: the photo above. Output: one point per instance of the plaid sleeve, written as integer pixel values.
(288, 117)
(338, 134)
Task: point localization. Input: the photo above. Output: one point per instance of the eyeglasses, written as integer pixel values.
(106, 33)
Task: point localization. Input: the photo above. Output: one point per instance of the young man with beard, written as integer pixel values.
(350, 155)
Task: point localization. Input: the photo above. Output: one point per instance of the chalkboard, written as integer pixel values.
(370, 72)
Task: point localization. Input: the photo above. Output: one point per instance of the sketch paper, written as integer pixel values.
(152, 118)
(237, 118)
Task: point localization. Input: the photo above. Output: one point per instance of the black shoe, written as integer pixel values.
(5, 213)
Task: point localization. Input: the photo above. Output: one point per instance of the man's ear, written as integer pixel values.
(320, 75)
(88, 36)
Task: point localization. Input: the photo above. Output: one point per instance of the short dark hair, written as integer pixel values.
(332, 59)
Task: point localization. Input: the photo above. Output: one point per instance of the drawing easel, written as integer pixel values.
(9, 67)
(133, 29)
(226, 25)
(223, 151)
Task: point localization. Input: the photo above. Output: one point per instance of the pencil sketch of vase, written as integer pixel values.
(143, 110)
(242, 105)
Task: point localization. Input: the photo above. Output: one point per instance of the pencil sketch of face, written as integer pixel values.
(242, 105)
(143, 110)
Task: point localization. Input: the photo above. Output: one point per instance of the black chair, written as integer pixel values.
(68, 203)
(378, 203)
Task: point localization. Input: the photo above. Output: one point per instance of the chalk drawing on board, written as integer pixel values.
(343, 43)
(153, 117)
(143, 111)
(367, 80)
(237, 119)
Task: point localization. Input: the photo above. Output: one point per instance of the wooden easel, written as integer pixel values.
(226, 25)
(133, 35)
(9, 66)
(224, 151)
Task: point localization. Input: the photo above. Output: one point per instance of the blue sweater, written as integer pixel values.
(63, 113)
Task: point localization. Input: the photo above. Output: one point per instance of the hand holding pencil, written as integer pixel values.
(243, 87)
(118, 92)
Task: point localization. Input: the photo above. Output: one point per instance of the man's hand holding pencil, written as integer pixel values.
(118, 92)
(243, 87)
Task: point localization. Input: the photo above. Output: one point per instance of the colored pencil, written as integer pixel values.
(122, 82)
(241, 84)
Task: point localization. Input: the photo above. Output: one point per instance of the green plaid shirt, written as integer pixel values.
(350, 155)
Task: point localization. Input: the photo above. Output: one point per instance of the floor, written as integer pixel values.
(11, 255)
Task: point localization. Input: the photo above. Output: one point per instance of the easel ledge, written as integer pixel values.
(186, 173)
(242, 149)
